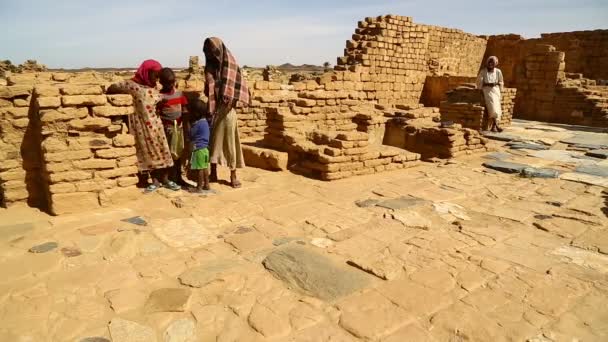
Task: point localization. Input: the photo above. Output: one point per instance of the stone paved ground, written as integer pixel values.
(441, 252)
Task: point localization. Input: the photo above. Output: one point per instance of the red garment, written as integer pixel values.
(227, 83)
(142, 76)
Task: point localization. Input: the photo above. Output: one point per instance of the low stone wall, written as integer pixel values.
(88, 155)
(466, 106)
(436, 88)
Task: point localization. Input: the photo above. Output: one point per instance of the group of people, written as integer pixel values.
(171, 132)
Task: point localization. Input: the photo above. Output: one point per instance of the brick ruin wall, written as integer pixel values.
(63, 139)
(541, 70)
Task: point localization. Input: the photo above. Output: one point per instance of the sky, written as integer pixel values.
(115, 33)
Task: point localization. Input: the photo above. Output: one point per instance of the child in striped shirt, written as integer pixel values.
(172, 109)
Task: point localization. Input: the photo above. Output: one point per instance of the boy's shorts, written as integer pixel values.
(200, 159)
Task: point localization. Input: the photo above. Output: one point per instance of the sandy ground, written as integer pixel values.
(440, 252)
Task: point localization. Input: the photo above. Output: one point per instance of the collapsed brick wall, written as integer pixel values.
(436, 88)
(586, 52)
(398, 54)
(539, 72)
(466, 106)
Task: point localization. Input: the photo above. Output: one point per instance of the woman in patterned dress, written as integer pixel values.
(153, 154)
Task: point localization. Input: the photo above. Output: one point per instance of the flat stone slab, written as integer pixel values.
(43, 248)
(602, 154)
(303, 269)
(168, 300)
(533, 172)
(367, 203)
(186, 233)
(204, 274)
(527, 146)
(10, 231)
(595, 170)
(94, 339)
(585, 178)
(497, 156)
(137, 220)
(505, 167)
(400, 203)
(499, 136)
(122, 330)
(597, 141)
(182, 330)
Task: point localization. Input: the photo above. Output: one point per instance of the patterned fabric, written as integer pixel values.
(176, 103)
(150, 141)
(224, 80)
(142, 76)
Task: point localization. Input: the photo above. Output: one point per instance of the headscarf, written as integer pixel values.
(224, 80)
(492, 58)
(142, 76)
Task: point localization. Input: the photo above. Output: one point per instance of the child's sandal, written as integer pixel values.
(172, 186)
(150, 189)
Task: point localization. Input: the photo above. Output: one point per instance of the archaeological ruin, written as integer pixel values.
(400, 94)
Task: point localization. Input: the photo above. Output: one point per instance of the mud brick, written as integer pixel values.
(352, 136)
(81, 90)
(69, 176)
(120, 100)
(15, 112)
(109, 111)
(63, 114)
(95, 164)
(117, 172)
(48, 102)
(84, 100)
(9, 92)
(68, 155)
(123, 140)
(354, 151)
(114, 153)
(95, 185)
(96, 142)
(59, 167)
(62, 188)
(12, 175)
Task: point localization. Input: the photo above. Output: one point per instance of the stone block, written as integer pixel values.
(62, 114)
(83, 100)
(52, 144)
(127, 181)
(46, 90)
(73, 89)
(10, 164)
(120, 100)
(114, 153)
(21, 123)
(264, 158)
(9, 92)
(48, 102)
(69, 176)
(352, 136)
(15, 112)
(12, 175)
(5, 103)
(73, 202)
(109, 111)
(62, 188)
(117, 172)
(93, 143)
(128, 161)
(68, 155)
(13, 195)
(90, 123)
(123, 140)
(95, 185)
(95, 164)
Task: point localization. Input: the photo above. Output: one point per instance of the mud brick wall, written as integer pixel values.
(466, 106)
(586, 51)
(431, 141)
(538, 67)
(397, 55)
(436, 88)
(20, 162)
(86, 149)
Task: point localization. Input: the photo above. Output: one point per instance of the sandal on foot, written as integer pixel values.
(172, 186)
(150, 188)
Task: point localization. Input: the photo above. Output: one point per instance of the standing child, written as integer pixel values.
(199, 136)
(172, 110)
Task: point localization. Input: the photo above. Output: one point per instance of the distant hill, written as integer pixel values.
(291, 67)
